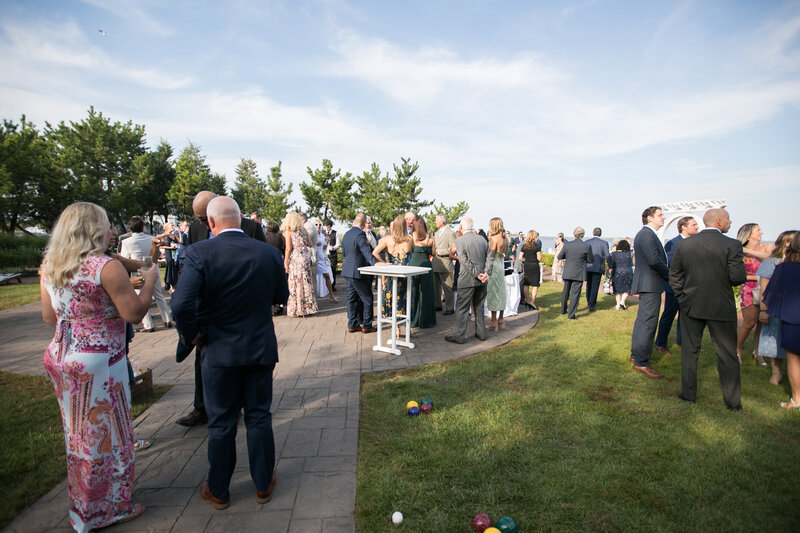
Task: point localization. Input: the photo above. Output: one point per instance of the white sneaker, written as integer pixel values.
(617, 307)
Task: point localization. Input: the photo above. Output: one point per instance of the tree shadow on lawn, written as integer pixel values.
(556, 430)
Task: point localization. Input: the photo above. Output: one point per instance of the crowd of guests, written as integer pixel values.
(227, 265)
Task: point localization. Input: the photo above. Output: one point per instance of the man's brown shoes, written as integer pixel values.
(218, 504)
(265, 496)
(647, 371)
(663, 350)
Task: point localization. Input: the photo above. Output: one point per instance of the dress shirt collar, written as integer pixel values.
(230, 229)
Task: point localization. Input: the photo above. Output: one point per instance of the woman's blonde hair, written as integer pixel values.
(291, 222)
(399, 233)
(496, 226)
(530, 238)
(80, 231)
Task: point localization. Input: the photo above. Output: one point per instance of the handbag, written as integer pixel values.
(608, 287)
(757, 292)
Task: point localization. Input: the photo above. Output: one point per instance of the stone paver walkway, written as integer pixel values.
(315, 419)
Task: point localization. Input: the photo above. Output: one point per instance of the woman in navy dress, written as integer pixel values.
(620, 268)
(783, 301)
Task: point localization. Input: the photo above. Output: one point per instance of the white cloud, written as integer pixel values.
(63, 45)
(134, 12)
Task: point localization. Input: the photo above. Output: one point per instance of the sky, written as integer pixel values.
(547, 114)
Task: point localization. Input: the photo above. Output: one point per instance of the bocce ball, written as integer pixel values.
(397, 517)
(428, 401)
(506, 525)
(413, 411)
(480, 522)
(411, 404)
(426, 408)
(491, 530)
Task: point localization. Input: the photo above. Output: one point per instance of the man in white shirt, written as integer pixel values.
(137, 247)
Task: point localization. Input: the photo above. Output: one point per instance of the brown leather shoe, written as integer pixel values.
(368, 330)
(353, 330)
(663, 350)
(205, 493)
(647, 371)
(265, 496)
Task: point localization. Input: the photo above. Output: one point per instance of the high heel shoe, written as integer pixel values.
(776, 377)
(759, 360)
(502, 323)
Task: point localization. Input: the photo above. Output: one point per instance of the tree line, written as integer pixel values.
(108, 163)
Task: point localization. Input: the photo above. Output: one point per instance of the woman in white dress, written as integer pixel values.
(324, 272)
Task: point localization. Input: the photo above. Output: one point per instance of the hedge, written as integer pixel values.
(18, 252)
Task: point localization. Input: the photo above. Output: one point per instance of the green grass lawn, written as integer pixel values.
(557, 431)
(33, 457)
(15, 294)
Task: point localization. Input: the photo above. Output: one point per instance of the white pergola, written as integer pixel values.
(677, 210)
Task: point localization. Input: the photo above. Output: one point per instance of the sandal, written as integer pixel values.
(145, 330)
(138, 509)
(759, 360)
(790, 404)
(141, 445)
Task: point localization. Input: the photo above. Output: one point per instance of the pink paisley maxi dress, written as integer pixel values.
(87, 365)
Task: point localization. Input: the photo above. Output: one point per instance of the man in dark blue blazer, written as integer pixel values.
(595, 269)
(224, 302)
(199, 231)
(576, 254)
(687, 226)
(648, 282)
(357, 253)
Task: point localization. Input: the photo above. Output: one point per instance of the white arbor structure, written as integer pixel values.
(675, 211)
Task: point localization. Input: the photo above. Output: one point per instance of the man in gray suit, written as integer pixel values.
(595, 269)
(442, 266)
(648, 282)
(576, 254)
(476, 265)
(703, 271)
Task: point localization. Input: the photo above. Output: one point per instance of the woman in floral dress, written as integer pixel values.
(754, 252)
(87, 297)
(399, 245)
(297, 262)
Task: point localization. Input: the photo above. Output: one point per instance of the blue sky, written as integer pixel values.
(547, 114)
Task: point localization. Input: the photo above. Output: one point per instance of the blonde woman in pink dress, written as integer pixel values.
(297, 262)
(87, 297)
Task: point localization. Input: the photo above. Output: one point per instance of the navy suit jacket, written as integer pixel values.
(669, 249)
(599, 253)
(226, 291)
(357, 253)
(651, 262)
(703, 270)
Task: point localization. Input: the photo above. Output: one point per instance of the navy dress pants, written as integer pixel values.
(671, 309)
(359, 302)
(227, 391)
(593, 280)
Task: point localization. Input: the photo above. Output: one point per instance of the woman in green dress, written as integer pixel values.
(399, 246)
(423, 302)
(496, 287)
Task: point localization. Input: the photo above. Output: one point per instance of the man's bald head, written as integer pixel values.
(223, 213)
(466, 224)
(717, 218)
(200, 203)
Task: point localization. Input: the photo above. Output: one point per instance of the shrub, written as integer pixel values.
(18, 252)
(547, 259)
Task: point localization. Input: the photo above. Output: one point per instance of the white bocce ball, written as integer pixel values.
(397, 517)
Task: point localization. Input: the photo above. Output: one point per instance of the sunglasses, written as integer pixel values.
(317, 225)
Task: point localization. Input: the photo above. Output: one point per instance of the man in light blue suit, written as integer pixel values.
(595, 269)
